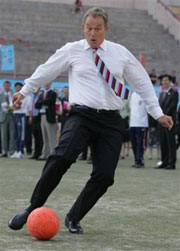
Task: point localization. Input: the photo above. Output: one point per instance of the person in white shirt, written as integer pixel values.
(94, 116)
(19, 116)
(138, 129)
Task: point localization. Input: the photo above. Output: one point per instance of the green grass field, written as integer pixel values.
(141, 211)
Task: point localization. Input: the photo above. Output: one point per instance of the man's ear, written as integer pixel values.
(82, 26)
(107, 28)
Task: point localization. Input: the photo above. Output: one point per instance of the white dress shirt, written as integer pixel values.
(138, 113)
(86, 85)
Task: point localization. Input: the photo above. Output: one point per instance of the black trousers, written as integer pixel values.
(28, 136)
(138, 137)
(36, 131)
(168, 146)
(84, 126)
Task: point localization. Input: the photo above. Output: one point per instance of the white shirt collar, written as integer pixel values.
(47, 90)
(167, 90)
(103, 46)
(7, 93)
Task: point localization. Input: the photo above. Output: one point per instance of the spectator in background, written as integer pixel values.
(138, 129)
(0, 140)
(66, 106)
(178, 128)
(34, 120)
(19, 116)
(125, 113)
(28, 127)
(153, 76)
(160, 77)
(6, 120)
(168, 101)
(46, 104)
(77, 6)
(59, 111)
(173, 77)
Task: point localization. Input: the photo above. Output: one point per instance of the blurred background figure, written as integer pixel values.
(65, 105)
(28, 126)
(59, 111)
(47, 105)
(35, 121)
(178, 129)
(6, 120)
(138, 129)
(125, 113)
(153, 77)
(168, 101)
(19, 116)
(78, 7)
(173, 77)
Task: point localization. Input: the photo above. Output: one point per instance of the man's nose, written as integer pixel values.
(93, 32)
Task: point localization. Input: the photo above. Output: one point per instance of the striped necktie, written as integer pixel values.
(119, 88)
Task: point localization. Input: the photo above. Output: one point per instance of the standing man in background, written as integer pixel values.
(35, 121)
(6, 120)
(65, 106)
(168, 101)
(94, 115)
(46, 105)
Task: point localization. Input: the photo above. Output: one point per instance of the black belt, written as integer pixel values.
(103, 111)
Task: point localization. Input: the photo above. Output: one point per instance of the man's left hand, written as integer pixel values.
(166, 121)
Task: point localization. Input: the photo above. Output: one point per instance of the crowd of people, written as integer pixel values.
(36, 126)
(143, 131)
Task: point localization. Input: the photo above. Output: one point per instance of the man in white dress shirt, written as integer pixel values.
(94, 116)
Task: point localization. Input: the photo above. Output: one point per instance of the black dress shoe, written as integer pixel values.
(3, 155)
(134, 165)
(140, 165)
(160, 167)
(18, 221)
(73, 227)
(41, 159)
(32, 157)
(168, 167)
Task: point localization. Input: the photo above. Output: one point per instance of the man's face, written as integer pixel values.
(94, 31)
(7, 87)
(166, 82)
(47, 86)
(18, 88)
(66, 92)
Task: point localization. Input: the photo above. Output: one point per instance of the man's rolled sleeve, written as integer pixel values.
(48, 71)
(137, 77)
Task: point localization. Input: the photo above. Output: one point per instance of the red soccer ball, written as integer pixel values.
(43, 223)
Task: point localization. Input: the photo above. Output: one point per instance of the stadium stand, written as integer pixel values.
(37, 29)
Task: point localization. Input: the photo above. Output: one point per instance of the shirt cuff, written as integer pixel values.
(156, 112)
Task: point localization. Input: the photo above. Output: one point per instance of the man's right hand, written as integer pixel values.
(17, 100)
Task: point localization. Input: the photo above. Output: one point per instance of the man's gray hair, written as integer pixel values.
(96, 12)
